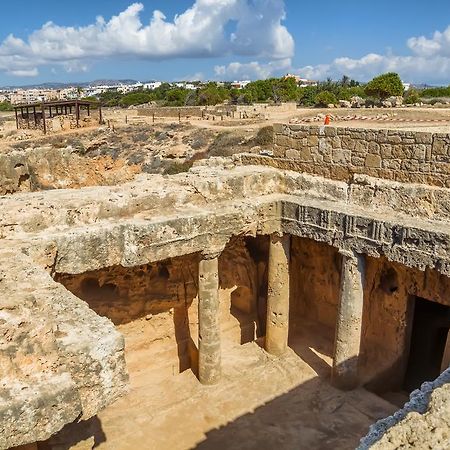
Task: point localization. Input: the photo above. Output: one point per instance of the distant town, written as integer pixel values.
(46, 93)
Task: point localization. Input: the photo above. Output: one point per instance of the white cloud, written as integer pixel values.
(429, 61)
(252, 70)
(438, 45)
(25, 72)
(200, 31)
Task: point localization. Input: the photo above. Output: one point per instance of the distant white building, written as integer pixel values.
(406, 86)
(152, 85)
(240, 84)
(126, 88)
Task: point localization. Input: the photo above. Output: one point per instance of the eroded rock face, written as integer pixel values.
(60, 361)
(424, 422)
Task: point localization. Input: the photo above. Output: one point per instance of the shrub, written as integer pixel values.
(224, 144)
(6, 106)
(175, 168)
(325, 98)
(264, 136)
(411, 97)
(436, 92)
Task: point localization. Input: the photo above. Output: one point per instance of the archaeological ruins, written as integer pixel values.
(293, 300)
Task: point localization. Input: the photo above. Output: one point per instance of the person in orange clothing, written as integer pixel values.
(327, 120)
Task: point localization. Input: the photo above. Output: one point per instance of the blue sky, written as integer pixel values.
(223, 39)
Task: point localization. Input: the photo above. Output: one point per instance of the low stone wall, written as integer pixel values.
(339, 153)
(172, 111)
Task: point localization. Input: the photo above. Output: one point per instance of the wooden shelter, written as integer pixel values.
(34, 115)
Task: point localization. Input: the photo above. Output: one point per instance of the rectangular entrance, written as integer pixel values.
(430, 328)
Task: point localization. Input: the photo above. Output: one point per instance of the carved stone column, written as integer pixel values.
(277, 326)
(209, 354)
(349, 322)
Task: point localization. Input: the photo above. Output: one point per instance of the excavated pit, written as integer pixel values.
(129, 262)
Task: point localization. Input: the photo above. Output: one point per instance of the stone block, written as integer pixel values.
(361, 146)
(393, 164)
(372, 161)
(386, 151)
(313, 141)
(336, 142)
(348, 143)
(330, 131)
(395, 139)
(292, 154)
(374, 148)
(440, 147)
(357, 161)
(424, 138)
(419, 152)
(341, 156)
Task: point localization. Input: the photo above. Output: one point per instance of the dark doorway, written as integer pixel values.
(430, 328)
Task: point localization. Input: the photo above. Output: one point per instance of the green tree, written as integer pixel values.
(212, 94)
(325, 98)
(176, 97)
(135, 98)
(384, 86)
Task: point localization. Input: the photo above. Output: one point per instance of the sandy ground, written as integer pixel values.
(425, 119)
(261, 403)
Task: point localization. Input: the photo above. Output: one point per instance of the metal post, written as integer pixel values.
(77, 112)
(43, 118)
(35, 118)
(28, 118)
(100, 114)
(17, 119)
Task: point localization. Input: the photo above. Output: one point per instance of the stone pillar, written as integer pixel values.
(349, 322)
(209, 355)
(277, 325)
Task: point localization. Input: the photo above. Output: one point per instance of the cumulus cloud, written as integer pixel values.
(429, 61)
(209, 28)
(252, 70)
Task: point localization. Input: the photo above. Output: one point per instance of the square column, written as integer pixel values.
(349, 322)
(277, 326)
(209, 354)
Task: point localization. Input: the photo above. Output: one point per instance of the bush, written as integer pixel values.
(224, 144)
(411, 97)
(384, 86)
(436, 92)
(175, 168)
(264, 136)
(135, 98)
(325, 98)
(6, 106)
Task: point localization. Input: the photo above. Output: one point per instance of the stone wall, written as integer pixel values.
(339, 153)
(172, 111)
(388, 290)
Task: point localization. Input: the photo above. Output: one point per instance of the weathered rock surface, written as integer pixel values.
(424, 422)
(59, 360)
